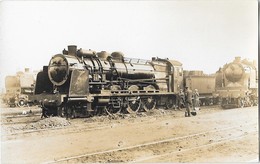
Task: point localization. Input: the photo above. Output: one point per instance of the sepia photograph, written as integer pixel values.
(129, 81)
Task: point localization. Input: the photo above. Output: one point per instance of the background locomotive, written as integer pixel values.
(237, 83)
(19, 88)
(83, 83)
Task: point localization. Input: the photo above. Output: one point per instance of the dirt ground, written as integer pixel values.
(230, 136)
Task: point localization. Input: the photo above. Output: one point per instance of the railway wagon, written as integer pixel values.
(205, 84)
(237, 83)
(19, 88)
(81, 82)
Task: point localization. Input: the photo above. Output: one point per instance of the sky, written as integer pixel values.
(201, 34)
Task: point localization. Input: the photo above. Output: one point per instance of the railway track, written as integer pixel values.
(19, 111)
(38, 113)
(84, 126)
(20, 119)
(158, 149)
(21, 116)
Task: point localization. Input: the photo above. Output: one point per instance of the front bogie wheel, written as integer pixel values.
(21, 103)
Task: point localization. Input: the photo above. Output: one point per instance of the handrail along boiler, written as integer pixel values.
(83, 83)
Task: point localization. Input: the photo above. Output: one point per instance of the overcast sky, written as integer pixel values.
(202, 34)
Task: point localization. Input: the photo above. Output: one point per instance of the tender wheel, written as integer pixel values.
(133, 103)
(170, 103)
(241, 103)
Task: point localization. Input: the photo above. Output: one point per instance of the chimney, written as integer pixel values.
(72, 50)
(237, 59)
(27, 70)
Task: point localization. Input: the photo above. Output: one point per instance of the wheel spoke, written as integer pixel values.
(149, 103)
(134, 104)
(110, 110)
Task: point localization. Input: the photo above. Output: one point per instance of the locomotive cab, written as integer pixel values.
(171, 69)
(169, 75)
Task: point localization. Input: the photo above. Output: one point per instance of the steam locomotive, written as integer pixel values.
(237, 83)
(84, 83)
(19, 89)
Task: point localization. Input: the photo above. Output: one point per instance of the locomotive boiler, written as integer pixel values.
(236, 83)
(84, 82)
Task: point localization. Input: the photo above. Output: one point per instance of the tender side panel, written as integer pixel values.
(204, 84)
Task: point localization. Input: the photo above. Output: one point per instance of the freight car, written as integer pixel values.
(84, 82)
(19, 88)
(205, 84)
(237, 83)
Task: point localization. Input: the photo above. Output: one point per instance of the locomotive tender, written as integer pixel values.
(83, 83)
(206, 85)
(237, 83)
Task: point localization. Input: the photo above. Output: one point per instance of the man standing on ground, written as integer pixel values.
(188, 101)
(181, 99)
(196, 99)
